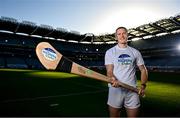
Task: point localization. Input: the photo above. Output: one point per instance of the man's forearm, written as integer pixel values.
(144, 77)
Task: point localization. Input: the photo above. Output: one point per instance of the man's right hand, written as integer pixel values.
(114, 82)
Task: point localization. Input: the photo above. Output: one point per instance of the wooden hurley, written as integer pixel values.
(51, 59)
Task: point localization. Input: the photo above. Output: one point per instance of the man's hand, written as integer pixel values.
(114, 82)
(142, 90)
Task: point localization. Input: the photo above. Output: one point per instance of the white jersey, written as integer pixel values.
(124, 61)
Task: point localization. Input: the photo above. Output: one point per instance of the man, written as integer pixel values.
(121, 61)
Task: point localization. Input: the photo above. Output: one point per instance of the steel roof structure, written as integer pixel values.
(160, 27)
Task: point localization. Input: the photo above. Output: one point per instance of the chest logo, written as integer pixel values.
(125, 59)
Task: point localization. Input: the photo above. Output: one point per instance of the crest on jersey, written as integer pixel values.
(125, 59)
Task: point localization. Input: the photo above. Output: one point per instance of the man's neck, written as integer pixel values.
(122, 45)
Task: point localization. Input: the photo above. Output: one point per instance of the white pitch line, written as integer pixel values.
(45, 97)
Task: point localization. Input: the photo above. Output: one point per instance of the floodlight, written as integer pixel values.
(178, 47)
(136, 39)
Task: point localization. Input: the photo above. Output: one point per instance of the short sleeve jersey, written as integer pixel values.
(124, 61)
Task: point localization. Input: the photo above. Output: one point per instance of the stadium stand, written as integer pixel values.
(19, 39)
(169, 40)
(15, 62)
(2, 62)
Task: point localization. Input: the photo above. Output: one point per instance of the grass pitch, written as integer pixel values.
(44, 93)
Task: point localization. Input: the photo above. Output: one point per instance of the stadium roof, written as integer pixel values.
(161, 27)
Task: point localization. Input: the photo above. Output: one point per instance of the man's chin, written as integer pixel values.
(124, 43)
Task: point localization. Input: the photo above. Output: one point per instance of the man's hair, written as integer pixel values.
(122, 28)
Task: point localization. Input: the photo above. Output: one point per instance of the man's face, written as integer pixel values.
(122, 36)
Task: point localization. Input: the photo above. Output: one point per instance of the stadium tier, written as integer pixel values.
(18, 42)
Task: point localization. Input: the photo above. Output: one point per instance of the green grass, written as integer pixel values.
(31, 93)
(45, 93)
(162, 95)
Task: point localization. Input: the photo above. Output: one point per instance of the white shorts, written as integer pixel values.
(119, 96)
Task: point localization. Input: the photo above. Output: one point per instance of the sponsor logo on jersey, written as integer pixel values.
(49, 54)
(125, 59)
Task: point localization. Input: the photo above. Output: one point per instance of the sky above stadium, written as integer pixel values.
(90, 16)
